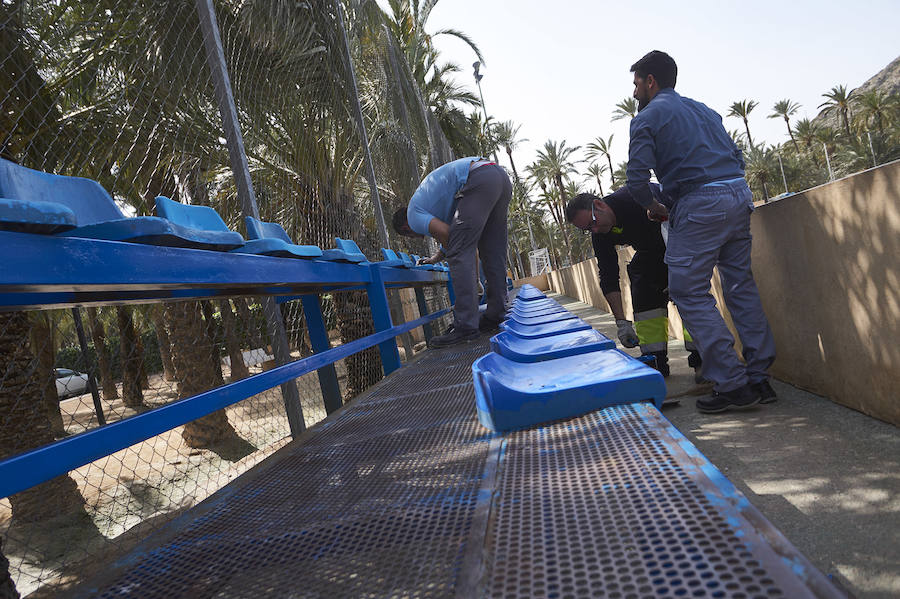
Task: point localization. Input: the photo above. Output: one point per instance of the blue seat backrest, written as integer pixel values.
(85, 197)
(389, 254)
(259, 229)
(194, 217)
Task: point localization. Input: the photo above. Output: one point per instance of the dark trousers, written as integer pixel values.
(479, 223)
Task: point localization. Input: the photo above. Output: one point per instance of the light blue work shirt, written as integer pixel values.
(435, 195)
(685, 144)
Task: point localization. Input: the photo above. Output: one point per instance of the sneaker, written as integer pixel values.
(765, 391)
(488, 325)
(721, 401)
(454, 337)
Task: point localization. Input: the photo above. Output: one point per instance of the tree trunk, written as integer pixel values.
(512, 164)
(212, 336)
(565, 229)
(43, 346)
(600, 185)
(104, 360)
(24, 424)
(239, 370)
(787, 122)
(747, 126)
(142, 371)
(194, 372)
(612, 177)
(162, 339)
(243, 309)
(354, 318)
(7, 587)
(130, 358)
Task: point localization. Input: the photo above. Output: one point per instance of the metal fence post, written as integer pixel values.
(364, 137)
(215, 57)
(381, 318)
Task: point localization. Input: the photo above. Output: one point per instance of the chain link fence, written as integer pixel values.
(122, 92)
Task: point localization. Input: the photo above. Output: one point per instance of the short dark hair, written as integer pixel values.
(399, 221)
(660, 65)
(580, 202)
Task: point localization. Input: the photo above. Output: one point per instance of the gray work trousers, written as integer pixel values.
(479, 222)
(711, 227)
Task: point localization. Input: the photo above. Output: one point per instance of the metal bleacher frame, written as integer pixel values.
(58, 272)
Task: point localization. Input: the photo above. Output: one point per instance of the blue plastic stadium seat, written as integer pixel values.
(530, 293)
(96, 214)
(346, 251)
(541, 311)
(270, 239)
(35, 217)
(537, 331)
(519, 349)
(543, 319)
(407, 260)
(390, 258)
(513, 395)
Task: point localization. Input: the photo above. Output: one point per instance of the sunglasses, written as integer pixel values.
(588, 231)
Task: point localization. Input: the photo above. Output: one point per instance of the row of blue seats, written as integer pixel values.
(547, 364)
(43, 203)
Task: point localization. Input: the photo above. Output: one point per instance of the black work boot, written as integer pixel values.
(454, 337)
(662, 362)
(721, 401)
(488, 325)
(766, 392)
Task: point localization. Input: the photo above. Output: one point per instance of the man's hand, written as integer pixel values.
(433, 259)
(657, 212)
(626, 333)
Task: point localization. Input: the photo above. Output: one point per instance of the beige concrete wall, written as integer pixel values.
(827, 263)
(539, 281)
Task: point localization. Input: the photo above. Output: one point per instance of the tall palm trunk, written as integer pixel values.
(747, 126)
(512, 164)
(7, 588)
(787, 121)
(354, 319)
(162, 339)
(24, 424)
(43, 346)
(212, 337)
(104, 360)
(562, 203)
(131, 359)
(612, 171)
(599, 184)
(194, 372)
(239, 370)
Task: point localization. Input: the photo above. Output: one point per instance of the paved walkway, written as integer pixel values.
(828, 477)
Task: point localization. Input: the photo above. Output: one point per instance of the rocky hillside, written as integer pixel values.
(886, 80)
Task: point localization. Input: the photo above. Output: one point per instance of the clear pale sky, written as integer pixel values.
(559, 67)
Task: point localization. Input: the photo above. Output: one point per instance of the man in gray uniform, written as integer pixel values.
(463, 204)
(708, 205)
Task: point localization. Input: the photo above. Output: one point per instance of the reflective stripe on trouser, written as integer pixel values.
(711, 227)
(652, 328)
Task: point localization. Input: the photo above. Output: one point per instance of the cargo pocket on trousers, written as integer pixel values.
(706, 218)
(678, 260)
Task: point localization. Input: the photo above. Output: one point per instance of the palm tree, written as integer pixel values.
(620, 175)
(743, 109)
(507, 135)
(596, 170)
(761, 166)
(24, 424)
(601, 147)
(556, 164)
(875, 108)
(840, 100)
(627, 108)
(806, 130)
(786, 109)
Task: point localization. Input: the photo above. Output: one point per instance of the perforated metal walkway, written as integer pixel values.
(403, 494)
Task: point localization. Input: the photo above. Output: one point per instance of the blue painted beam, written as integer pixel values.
(381, 318)
(318, 336)
(40, 465)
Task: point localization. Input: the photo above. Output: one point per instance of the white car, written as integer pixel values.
(70, 382)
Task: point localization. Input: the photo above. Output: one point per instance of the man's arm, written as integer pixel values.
(642, 158)
(439, 230)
